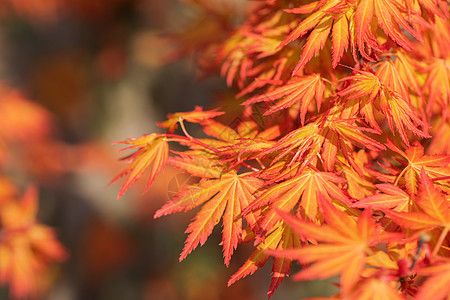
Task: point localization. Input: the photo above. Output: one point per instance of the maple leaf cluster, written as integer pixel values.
(341, 158)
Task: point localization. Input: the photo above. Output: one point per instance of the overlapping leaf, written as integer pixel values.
(400, 113)
(247, 142)
(302, 189)
(196, 163)
(436, 166)
(343, 248)
(364, 84)
(315, 42)
(391, 197)
(438, 85)
(435, 208)
(359, 186)
(343, 135)
(406, 70)
(391, 77)
(397, 110)
(354, 23)
(390, 19)
(302, 89)
(304, 143)
(319, 12)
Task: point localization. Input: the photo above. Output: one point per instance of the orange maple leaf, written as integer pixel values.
(196, 163)
(152, 152)
(343, 135)
(344, 245)
(300, 89)
(315, 42)
(223, 197)
(435, 212)
(397, 110)
(438, 85)
(436, 166)
(321, 22)
(302, 189)
(304, 143)
(432, 201)
(392, 197)
(318, 10)
(364, 84)
(400, 113)
(354, 22)
(407, 72)
(340, 35)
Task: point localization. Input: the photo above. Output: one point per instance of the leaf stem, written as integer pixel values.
(260, 163)
(184, 128)
(250, 167)
(440, 240)
(191, 139)
(399, 176)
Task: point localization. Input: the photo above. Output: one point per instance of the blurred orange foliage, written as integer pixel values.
(26, 246)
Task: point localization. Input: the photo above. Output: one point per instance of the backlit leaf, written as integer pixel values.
(298, 90)
(221, 198)
(152, 153)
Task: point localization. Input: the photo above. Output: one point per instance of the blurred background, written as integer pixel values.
(78, 75)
